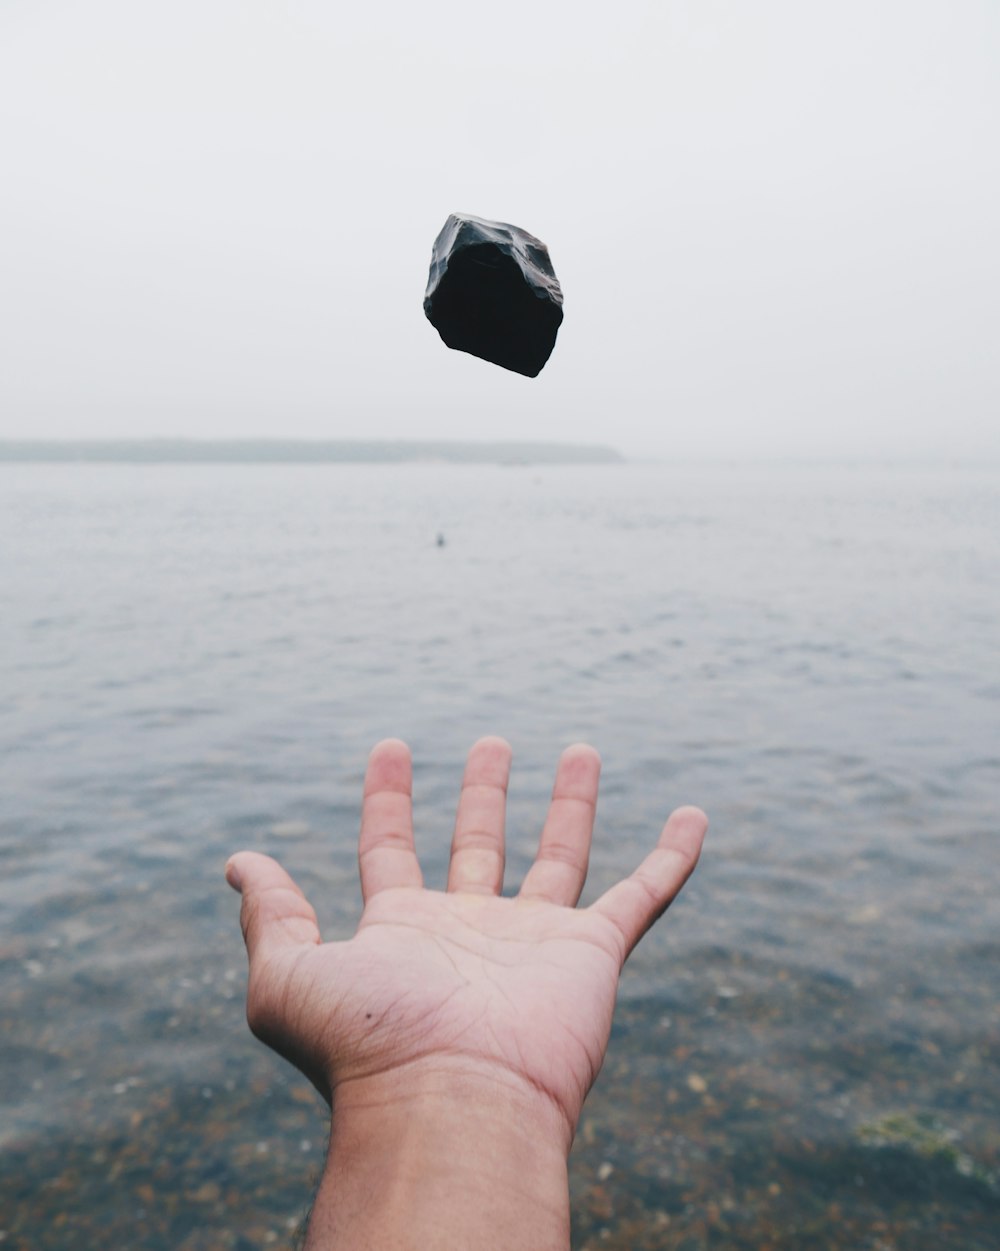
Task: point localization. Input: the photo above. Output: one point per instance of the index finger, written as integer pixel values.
(637, 901)
(560, 868)
(386, 854)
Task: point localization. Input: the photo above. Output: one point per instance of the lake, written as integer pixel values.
(196, 659)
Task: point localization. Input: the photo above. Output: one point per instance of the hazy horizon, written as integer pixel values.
(775, 225)
(301, 451)
(180, 450)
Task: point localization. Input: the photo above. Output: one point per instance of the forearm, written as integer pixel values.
(447, 1164)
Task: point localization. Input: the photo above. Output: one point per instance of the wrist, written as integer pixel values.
(443, 1157)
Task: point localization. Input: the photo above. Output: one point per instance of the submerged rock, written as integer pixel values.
(492, 292)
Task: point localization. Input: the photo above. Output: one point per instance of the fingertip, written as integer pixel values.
(250, 871)
(493, 743)
(582, 751)
(578, 774)
(390, 768)
(689, 814)
(390, 747)
(488, 763)
(685, 832)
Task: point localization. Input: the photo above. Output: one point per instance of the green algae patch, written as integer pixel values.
(925, 1136)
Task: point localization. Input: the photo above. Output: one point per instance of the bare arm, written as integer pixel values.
(456, 1035)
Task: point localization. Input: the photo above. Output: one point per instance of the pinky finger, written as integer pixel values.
(640, 899)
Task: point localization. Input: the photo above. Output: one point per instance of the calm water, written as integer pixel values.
(197, 659)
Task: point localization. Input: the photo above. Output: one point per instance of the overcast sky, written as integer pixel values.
(776, 224)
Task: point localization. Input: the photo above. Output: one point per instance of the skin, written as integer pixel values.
(456, 1035)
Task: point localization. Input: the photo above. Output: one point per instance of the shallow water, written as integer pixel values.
(198, 658)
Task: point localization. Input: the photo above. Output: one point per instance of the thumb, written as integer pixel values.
(275, 915)
(638, 900)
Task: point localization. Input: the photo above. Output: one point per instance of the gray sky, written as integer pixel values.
(776, 224)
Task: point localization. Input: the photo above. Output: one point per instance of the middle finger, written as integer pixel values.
(477, 848)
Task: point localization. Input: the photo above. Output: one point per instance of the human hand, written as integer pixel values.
(506, 1000)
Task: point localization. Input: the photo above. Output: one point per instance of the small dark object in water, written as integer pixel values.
(440, 540)
(492, 292)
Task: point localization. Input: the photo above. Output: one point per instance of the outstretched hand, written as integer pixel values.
(458, 986)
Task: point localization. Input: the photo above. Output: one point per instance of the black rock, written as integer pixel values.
(492, 292)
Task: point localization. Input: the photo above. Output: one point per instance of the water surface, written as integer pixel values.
(194, 659)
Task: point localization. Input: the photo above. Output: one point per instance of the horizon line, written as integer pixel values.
(181, 449)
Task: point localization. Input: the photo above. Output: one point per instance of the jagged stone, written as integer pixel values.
(492, 292)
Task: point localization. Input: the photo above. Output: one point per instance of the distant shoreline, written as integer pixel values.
(300, 452)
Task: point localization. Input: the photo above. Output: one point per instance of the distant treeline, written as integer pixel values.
(301, 452)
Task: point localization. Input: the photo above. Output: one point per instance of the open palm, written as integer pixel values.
(460, 984)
